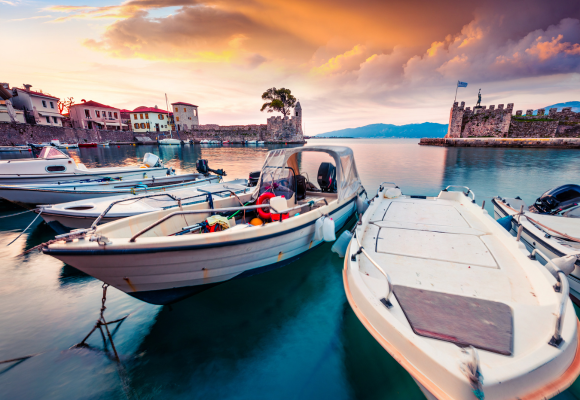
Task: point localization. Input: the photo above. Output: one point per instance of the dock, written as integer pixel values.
(564, 143)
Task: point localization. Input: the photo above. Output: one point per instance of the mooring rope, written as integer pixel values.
(18, 213)
(572, 238)
(21, 233)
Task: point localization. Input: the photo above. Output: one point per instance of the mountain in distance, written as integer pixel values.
(426, 129)
(574, 104)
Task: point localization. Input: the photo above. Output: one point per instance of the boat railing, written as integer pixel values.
(561, 286)
(179, 201)
(216, 210)
(387, 301)
(469, 191)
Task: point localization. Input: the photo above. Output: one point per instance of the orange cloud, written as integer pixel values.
(545, 50)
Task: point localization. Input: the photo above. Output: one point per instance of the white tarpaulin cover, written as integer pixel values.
(278, 162)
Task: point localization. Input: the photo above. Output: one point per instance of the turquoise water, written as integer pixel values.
(286, 334)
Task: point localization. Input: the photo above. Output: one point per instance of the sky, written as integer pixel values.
(350, 63)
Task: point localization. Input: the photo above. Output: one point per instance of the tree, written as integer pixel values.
(65, 105)
(279, 100)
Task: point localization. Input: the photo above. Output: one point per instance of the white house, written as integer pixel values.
(7, 111)
(42, 106)
(150, 119)
(93, 115)
(185, 115)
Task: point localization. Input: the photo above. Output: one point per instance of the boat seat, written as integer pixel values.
(465, 321)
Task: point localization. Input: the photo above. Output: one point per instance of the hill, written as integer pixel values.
(574, 104)
(426, 129)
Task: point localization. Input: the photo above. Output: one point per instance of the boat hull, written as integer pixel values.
(535, 241)
(129, 173)
(166, 275)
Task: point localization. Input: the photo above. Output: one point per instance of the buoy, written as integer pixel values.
(262, 199)
(318, 229)
(565, 263)
(340, 246)
(361, 204)
(506, 222)
(256, 222)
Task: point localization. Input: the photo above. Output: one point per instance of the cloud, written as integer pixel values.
(25, 19)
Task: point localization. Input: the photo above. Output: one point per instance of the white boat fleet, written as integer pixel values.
(471, 307)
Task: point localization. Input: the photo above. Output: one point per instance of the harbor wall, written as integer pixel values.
(277, 130)
(564, 143)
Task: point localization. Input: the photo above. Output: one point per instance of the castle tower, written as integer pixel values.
(298, 117)
(455, 120)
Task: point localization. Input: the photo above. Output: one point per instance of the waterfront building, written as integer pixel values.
(186, 115)
(7, 111)
(41, 108)
(150, 119)
(126, 118)
(93, 115)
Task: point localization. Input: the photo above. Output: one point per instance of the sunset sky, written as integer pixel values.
(350, 63)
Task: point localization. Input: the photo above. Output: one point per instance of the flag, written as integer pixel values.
(461, 84)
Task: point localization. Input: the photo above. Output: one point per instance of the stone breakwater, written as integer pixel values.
(565, 143)
(277, 130)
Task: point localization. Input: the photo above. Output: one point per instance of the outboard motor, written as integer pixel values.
(327, 177)
(557, 200)
(202, 167)
(253, 178)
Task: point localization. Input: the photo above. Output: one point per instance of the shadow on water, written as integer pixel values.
(72, 276)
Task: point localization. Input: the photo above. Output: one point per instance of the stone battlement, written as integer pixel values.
(500, 122)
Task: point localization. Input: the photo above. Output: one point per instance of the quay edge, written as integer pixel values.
(564, 143)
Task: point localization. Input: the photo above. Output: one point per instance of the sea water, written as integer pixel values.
(285, 334)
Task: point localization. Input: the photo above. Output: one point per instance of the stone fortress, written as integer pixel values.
(501, 122)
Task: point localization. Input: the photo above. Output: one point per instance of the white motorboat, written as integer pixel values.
(252, 142)
(164, 256)
(204, 141)
(454, 298)
(30, 196)
(551, 225)
(53, 166)
(14, 148)
(81, 214)
(261, 142)
(170, 141)
(67, 146)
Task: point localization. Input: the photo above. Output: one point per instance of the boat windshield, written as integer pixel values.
(50, 153)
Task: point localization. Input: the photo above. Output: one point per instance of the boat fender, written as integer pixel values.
(361, 204)
(318, 229)
(328, 230)
(565, 263)
(506, 222)
(256, 222)
(340, 246)
(262, 199)
(392, 193)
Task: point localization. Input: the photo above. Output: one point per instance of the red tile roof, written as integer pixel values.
(91, 103)
(183, 104)
(37, 93)
(149, 110)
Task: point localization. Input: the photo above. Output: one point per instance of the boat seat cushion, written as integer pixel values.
(465, 321)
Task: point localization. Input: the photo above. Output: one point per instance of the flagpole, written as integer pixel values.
(456, 87)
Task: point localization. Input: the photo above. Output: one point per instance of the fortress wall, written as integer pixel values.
(487, 122)
(537, 129)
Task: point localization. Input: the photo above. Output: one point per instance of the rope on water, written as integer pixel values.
(21, 233)
(18, 213)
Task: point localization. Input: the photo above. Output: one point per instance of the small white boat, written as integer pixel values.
(164, 256)
(252, 142)
(14, 148)
(261, 142)
(454, 298)
(30, 196)
(170, 141)
(53, 166)
(67, 146)
(204, 141)
(551, 225)
(81, 214)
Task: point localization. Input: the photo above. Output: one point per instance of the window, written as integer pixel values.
(136, 126)
(177, 119)
(56, 168)
(141, 115)
(47, 120)
(189, 118)
(195, 113)
(146, 115)
(176, 109)
(135, 115)
(49, 153)
(148, 127)
(184, 110)
(55, 120)
(51, 104)
(110, 115)
(161, 116)
(98, 113)
(142, 125)
(115, 114)
(44, 103)
(87, 114)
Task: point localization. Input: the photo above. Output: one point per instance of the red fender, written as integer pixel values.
(261, 199)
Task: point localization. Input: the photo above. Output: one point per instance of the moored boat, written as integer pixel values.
(53, 166)
(89, 144)
(551, 224)
(164, 256)
(454, 298)
(170, 141)
(81, 214)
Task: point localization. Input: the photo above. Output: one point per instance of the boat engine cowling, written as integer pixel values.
(151, 160)
(557, 200)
